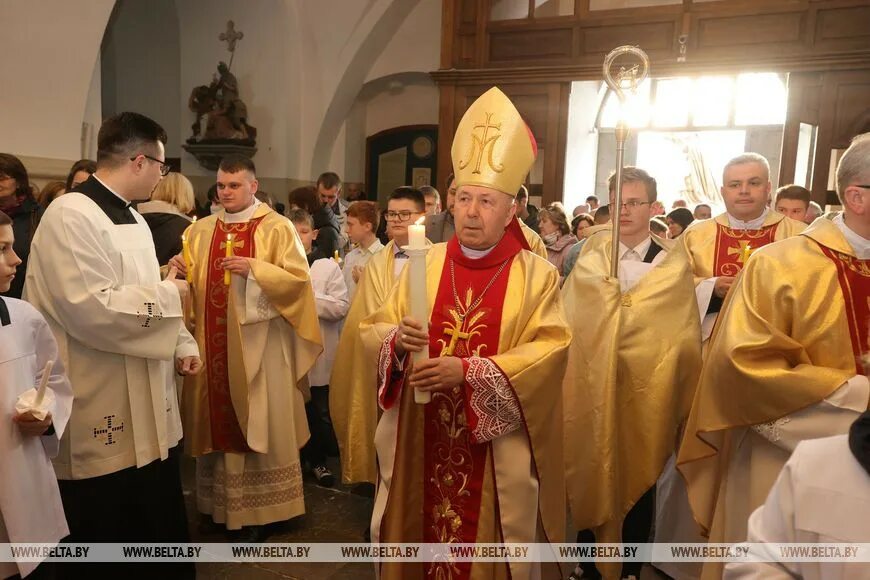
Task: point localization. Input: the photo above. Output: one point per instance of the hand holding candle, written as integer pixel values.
(38, 402)
(229, 254)
(419, 301)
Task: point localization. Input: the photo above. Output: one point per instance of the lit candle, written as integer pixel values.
(185, 245)
(747, 251)
(419, 301)
(336, 258)
(229, 254)
(417, 235)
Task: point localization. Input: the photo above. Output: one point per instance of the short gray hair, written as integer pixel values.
(744, 159)
(816, 208)
(854, 165)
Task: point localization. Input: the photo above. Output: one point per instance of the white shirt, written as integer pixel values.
(860, 244)
(632, 268)
(331, 300)
(358, 256)
(822, 495)
(242, 216)
(398, 263)
(755, 224)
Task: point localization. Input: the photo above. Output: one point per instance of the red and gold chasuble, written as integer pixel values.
(854, 277)
(226, 434)
(733, 247)
(465, 322)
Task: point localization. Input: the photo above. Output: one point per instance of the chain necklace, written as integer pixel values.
(459, 312)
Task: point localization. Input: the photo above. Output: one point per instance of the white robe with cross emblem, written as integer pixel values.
(119, 330)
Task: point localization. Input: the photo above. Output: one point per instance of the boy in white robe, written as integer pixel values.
(30, 505)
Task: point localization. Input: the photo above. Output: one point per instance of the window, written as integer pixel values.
(707, 102)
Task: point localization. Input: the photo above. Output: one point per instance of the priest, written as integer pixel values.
(481, 462)
(353, 405)
(625, 370)
(785, 361)
(718, 248)
(257, 325)
(94, 276)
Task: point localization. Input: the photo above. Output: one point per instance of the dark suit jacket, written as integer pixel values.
(439, 227)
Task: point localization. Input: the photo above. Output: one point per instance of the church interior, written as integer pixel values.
(373, 90)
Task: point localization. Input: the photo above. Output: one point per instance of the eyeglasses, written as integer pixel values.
(164, 167)
(633, 203)
(401, 216)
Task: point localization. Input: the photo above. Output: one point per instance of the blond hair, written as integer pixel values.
(175, 189)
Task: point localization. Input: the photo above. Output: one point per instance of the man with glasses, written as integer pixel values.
(352, 404)
(786, 363)
(629, 380)
(95, 278)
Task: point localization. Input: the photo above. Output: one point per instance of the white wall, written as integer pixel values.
(264, 66)
(582, 145)
(141, 70)
(49, 49)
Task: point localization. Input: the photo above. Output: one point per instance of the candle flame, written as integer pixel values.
(420, 221)
(194, 219)
(229, 237)
(183, 238)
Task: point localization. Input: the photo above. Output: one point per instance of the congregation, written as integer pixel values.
(715, 390)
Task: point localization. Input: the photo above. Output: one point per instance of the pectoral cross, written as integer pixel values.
(744, 251)
(455, 334)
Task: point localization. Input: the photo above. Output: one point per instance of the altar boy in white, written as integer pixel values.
(94, 276)
(30, 506)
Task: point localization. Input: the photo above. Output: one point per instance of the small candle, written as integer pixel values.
(417, 235)
(229, 254)
(336, 258)
(43, 383)
(747, 251)
(185, 245)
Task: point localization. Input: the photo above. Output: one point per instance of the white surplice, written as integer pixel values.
(30, 505)
(822, 495)
(119, 329)
(330, 296)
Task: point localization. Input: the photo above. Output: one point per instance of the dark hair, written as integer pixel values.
(633, 174)
(366, 212)
(592, 198)
(50, 192)
(411, 193)
(235, 163)
(450, 179)
(682, 216)
(212, 193)
(523, 193)
(80, 165)
(602, 214)
(583, 217)
(5, 220)
(125, 135)
(795, 192)
(298, 216)
(11, 166)
(305, 198)
(329, 180)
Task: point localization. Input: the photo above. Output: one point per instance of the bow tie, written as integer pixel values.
(401, 255)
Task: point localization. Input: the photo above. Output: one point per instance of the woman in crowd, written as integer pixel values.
(580, 224)
(49, 193)
(79, 172)
(678, 220)
(556, 233)
(17, 201)
(167, 214)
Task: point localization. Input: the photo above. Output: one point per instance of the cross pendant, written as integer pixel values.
(455, 334)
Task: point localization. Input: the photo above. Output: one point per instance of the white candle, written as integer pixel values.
(417, 235)
(43, 383)
(418, 299)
